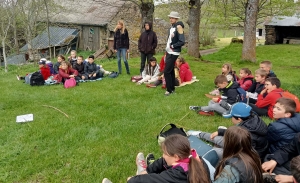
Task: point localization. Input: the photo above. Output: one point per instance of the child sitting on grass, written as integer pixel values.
(257, 86)
(246, 79)
(223, 103)
(72, 58)
(44, 70)
(91, 71)
(241, 115)
(287, 124)
(150, 73)
(267, 97)
(161, 80)
(67, 72)
(184, 70)
(267, 66)
(60, 58)
(79, 66)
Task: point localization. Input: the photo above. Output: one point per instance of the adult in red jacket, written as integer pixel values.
(66, 71)
(44, 69)
(268, 97)
(185, 73)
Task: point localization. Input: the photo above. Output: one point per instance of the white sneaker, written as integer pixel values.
(140, 163)
(193, 133)
(105, 180)
(222, 127)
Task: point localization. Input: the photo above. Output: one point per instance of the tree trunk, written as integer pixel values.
(4, 55)
(249, 45)
(194, 22)
(147, 10)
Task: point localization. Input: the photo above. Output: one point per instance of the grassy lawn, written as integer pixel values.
(110, 121)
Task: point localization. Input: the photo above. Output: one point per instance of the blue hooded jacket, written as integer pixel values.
(282, 131)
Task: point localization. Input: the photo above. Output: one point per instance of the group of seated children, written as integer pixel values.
(153, 76)
(75, 68)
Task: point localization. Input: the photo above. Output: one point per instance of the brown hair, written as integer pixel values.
(62, 57)
(295, 168)
(181, 59)
(80, 57)
(262, 73)
(267, 63)
(274, 81)
(289, 105)
(180, 146)
(228, 67)
(237, 144)
(123, 26)
(247, 71)
(220, 79)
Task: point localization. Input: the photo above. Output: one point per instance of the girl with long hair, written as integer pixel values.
(240, 162)
(121, 45)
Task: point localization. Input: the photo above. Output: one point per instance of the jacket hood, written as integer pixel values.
(249, 76)
(232, 85)
(255, 125)
(150, 25)
(185, 65)
(293, 122)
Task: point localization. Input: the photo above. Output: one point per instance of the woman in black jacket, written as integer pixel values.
(121, 44)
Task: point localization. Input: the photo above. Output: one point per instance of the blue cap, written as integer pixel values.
(239, 109)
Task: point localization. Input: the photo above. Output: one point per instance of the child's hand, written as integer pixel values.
(213, 135)
(71, 76)
(263, 91)
(94, 75)
(90, 75)
(269, 166)
(284, 178)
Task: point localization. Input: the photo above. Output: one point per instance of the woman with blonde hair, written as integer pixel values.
(121, 45)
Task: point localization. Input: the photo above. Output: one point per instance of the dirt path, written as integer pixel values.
(209, 51)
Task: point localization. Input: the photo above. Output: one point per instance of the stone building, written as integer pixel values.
(283, 30)
(96, 20)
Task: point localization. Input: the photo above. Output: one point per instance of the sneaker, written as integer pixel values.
(193, 133)
(18, 77)
(105, 180)
(194, 108)
(206, 113)
(140, 163)
(150, 159)
(269, 178)
(222, 127)
(138, 83)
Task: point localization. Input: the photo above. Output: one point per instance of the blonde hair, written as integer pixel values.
(261, 72)
(267, 63)
(228, 67)
(121, 22)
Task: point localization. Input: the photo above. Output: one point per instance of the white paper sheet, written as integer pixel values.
(24, 118)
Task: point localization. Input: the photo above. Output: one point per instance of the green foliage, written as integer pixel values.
(110, 121)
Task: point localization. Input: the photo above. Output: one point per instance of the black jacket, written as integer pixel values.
(258, 131)
(178, 40)
(56, 67)
(79, 68)
(121, 40)
(90, 68)
(271, 74)
(148, 41)
(160, 172)
(256, 87)
(287, 152)
(230, 91)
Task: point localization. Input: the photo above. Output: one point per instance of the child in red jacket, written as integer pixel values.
(246, 79)
(268, 97)
(44, 70)
(67, 72)
(184, 70)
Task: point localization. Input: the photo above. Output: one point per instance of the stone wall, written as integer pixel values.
(270, 35)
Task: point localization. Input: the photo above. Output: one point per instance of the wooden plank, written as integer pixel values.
(99, 52)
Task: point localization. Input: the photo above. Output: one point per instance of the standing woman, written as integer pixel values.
(121, 44)
(240, 162)
(147, 44)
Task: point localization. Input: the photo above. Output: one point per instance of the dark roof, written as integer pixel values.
(285, 21)
(59, 36)
(87, 12)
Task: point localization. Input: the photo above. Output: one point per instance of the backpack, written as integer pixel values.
(242, 95)
(173, 130)
(37, 79)
(289, 95)
(113, 74)
(70, 83)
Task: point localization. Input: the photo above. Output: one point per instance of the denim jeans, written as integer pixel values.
(122, 52)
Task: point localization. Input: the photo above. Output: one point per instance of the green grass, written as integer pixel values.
(110, 121)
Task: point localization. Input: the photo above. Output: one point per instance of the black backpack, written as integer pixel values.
(37, 79)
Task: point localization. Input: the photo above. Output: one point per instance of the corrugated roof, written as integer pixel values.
(59, 36)
(285, 21)
(87, 12)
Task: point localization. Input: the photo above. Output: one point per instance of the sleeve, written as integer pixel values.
(63, 74)
(154, 44)
(115, 41)
(56, 68)
(156, 73)
(232, 95)
(246, 85)
(144, 72)
(140, 42)
(252, 87)
(228, 175)
(181, 39)
(86, 69)
(287, 152)
(272, 134)
(74, 71)
(127, 39)
(157, 166)
(263, 102)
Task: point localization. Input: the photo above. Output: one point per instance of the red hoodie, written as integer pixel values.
(162, 64)
(185, 73)
(45, 71)
(246, 82)
(269, 100)
(66, 73)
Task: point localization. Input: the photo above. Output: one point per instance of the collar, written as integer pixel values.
(229, 84)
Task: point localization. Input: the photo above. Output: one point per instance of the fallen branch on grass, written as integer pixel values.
(56, 109)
